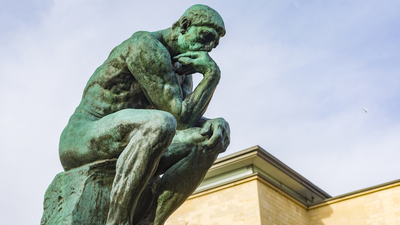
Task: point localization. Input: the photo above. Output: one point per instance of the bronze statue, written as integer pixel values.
(139, 107)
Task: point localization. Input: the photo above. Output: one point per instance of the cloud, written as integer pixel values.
(295, 78)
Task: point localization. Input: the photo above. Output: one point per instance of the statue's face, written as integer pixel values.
(198, 38)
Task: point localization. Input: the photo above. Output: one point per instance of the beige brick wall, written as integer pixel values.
(253, 201)
(234, 204)
(373, 207)
(278, 209)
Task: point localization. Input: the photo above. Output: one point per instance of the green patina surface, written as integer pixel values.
(139, 109)
(81, 195)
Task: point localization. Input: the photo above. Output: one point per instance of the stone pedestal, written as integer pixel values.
(80, 196)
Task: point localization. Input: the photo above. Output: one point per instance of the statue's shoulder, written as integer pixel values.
(148, 53)
(147, 41)
(142, 37)
(140, 42)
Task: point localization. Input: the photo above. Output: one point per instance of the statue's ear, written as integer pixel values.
(184, 24)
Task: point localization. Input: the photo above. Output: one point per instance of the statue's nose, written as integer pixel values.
(209, 46)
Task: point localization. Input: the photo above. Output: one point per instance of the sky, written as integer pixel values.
(296, 76)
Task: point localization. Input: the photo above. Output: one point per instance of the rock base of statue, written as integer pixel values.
(80, 195)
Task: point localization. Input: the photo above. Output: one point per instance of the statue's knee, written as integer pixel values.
(164, 122)
(159, 131)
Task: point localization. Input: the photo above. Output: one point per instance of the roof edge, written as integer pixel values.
(260, 152)
(357, 193)
(290, 172)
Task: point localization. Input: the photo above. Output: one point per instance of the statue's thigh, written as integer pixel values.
(111, 134)
(84, 142)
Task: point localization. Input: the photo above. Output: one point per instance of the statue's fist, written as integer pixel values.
(218, 132)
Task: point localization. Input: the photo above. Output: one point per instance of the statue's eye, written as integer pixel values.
(207, 36)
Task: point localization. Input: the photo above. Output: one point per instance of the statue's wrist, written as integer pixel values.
(212, 72)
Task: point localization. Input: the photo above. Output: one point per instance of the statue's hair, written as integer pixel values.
(202, 15)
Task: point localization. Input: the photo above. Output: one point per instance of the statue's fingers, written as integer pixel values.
(187, 54)
(223, 143)
(224, 148)
(214, 140)
(226, 140)
(179, 56)
(185, 61)
(206, 129)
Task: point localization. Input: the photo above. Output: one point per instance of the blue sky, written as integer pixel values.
(296, 76)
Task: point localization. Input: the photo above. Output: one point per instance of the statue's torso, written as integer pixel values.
(112, 87)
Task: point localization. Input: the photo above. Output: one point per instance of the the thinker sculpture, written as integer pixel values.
(139, 108)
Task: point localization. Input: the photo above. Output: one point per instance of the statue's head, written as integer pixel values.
(200, 28)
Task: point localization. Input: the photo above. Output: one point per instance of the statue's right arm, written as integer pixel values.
(150, 63)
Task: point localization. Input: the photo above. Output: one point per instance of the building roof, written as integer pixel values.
(256, 160)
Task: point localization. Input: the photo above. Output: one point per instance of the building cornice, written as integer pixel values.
(355, 194)
(256, 160)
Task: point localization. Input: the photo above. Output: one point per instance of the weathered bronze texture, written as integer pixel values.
(139, 108)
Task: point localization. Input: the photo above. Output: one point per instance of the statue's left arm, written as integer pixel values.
(216, 129)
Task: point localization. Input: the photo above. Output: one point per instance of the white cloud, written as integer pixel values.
(295, 78)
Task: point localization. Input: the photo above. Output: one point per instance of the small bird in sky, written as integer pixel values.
(365, 110)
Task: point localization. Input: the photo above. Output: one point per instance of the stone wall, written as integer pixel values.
(375, 206)
(248, 202)
(254, 201)
(233, 204)
(279, 209)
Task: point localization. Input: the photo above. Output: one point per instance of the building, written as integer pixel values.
(253, 187)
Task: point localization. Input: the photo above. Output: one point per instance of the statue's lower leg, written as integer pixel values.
(135, 166)
(177, 184)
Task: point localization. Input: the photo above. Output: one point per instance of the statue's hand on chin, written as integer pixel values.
(184, 69)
